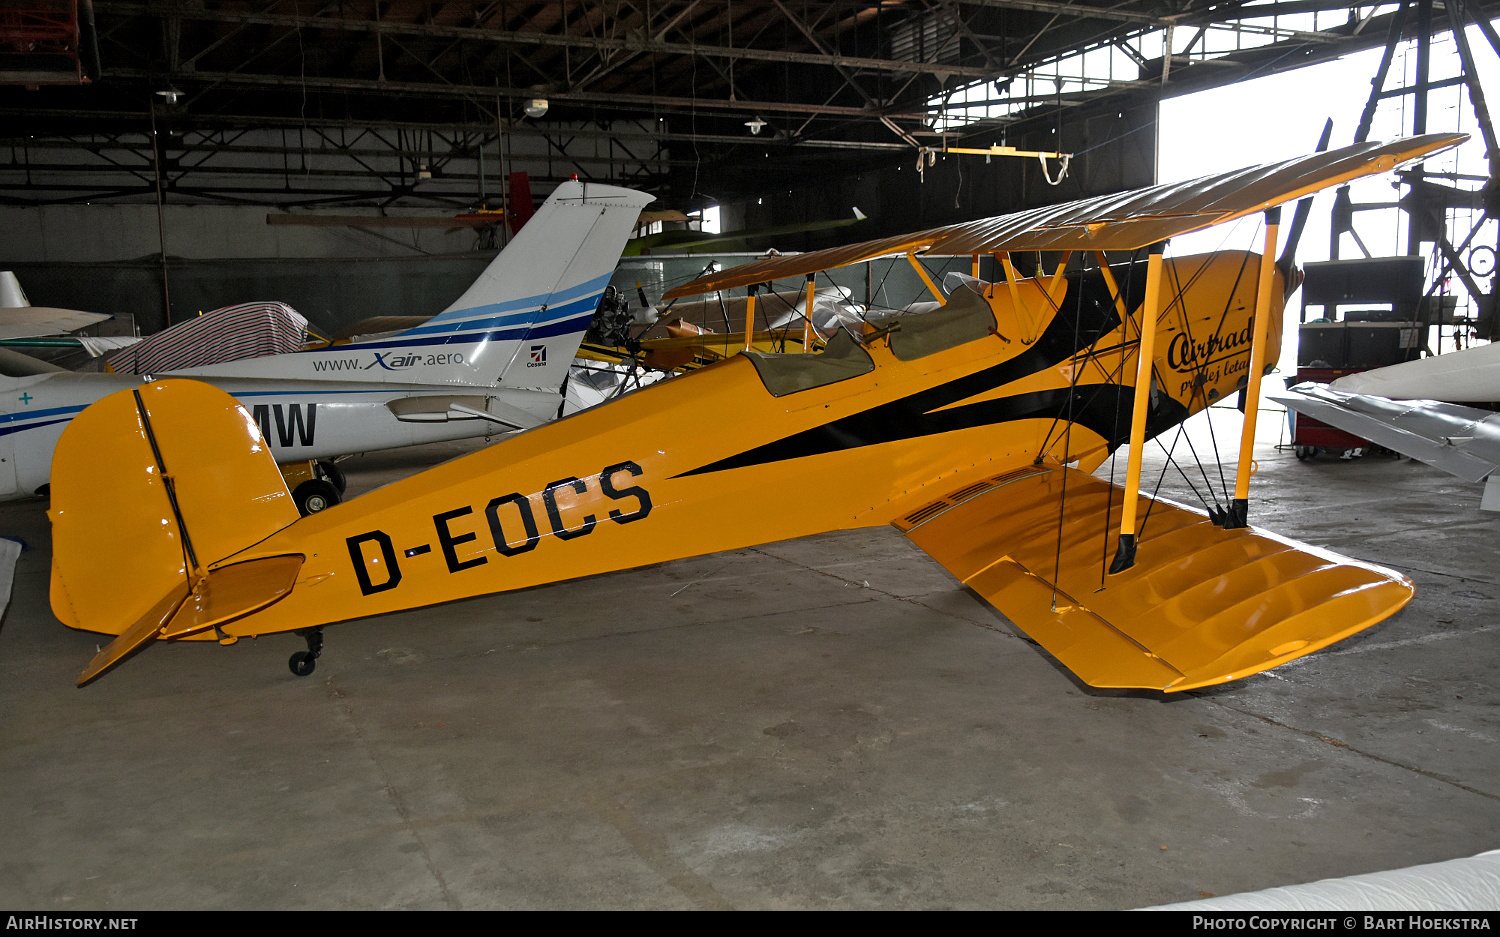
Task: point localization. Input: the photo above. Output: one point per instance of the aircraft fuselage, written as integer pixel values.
(713, 460)
(299, 419)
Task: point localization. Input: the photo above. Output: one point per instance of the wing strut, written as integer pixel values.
(1013, 281)
(1239, 511)
(807, 325)
(1146, 358)
(750, 315)
(937, 294)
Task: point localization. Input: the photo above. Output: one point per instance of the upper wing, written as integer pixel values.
(1461, 441)
(1124, 221)
(1202, 605)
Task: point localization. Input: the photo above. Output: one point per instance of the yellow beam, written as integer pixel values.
(1012, 279)
(1114, 288)
(1145, 360)
(807, 326)
(1264, 304)
(937, 294)
(1062, 268)
(1005, 151)
(750, 318)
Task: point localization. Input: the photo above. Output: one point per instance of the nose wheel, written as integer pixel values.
(305, 662)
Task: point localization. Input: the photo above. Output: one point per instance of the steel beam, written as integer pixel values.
(633, 44)
(593, 99)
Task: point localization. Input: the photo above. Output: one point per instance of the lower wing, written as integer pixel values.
(1202, 605)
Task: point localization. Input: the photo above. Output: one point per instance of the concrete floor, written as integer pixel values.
(823, 723)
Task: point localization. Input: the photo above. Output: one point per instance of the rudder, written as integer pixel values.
(140, 538)
(526, 314)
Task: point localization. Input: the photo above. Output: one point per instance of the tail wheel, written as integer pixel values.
(314, 496)
(305, 662)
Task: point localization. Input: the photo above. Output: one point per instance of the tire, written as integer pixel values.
(314, 496)
(334, 475)
(1306, 452)
(302, 663)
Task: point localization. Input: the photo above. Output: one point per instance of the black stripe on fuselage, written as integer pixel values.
(1080, 321)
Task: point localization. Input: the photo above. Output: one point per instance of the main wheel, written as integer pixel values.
(314, 496)
(334, 474)
(1306, 452)
(302, 663)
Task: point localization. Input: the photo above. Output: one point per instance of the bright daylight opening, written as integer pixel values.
(1122, 62)
(1281, 116)
(708, 220)
(1276, 117)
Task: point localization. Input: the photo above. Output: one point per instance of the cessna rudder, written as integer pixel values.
(523, 319)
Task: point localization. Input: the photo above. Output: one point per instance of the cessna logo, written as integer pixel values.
(510, 525)
(538, 356)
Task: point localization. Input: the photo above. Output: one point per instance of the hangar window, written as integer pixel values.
(1129, 59)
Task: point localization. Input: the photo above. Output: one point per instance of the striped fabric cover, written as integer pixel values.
(249, 330)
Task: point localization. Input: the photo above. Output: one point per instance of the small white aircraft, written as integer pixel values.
(20, 319)
(492, 362)
(1413, 408)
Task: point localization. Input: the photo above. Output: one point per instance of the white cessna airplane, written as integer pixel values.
(492, 362)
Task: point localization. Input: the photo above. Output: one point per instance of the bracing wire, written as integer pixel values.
(1062, 501)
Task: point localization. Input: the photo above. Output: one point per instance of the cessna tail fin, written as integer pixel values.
(528, 311)
(518, 325)
(140, 540)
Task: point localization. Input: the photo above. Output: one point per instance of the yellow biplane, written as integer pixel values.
(972, 428)
(684, 335)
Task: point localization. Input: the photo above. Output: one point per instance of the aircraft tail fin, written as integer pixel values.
(528, 311)
(1203, 605)
(11, 294)
(142, 542)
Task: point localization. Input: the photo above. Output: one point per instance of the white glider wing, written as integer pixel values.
(1471, 375)
(1462, 441)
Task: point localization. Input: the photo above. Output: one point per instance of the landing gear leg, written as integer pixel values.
(305, 662)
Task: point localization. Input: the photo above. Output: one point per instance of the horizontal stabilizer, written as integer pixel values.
(1202, 605)
(443, 408)
(223, 595)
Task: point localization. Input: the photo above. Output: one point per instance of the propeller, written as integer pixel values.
(647, 314)
(1287, 262)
